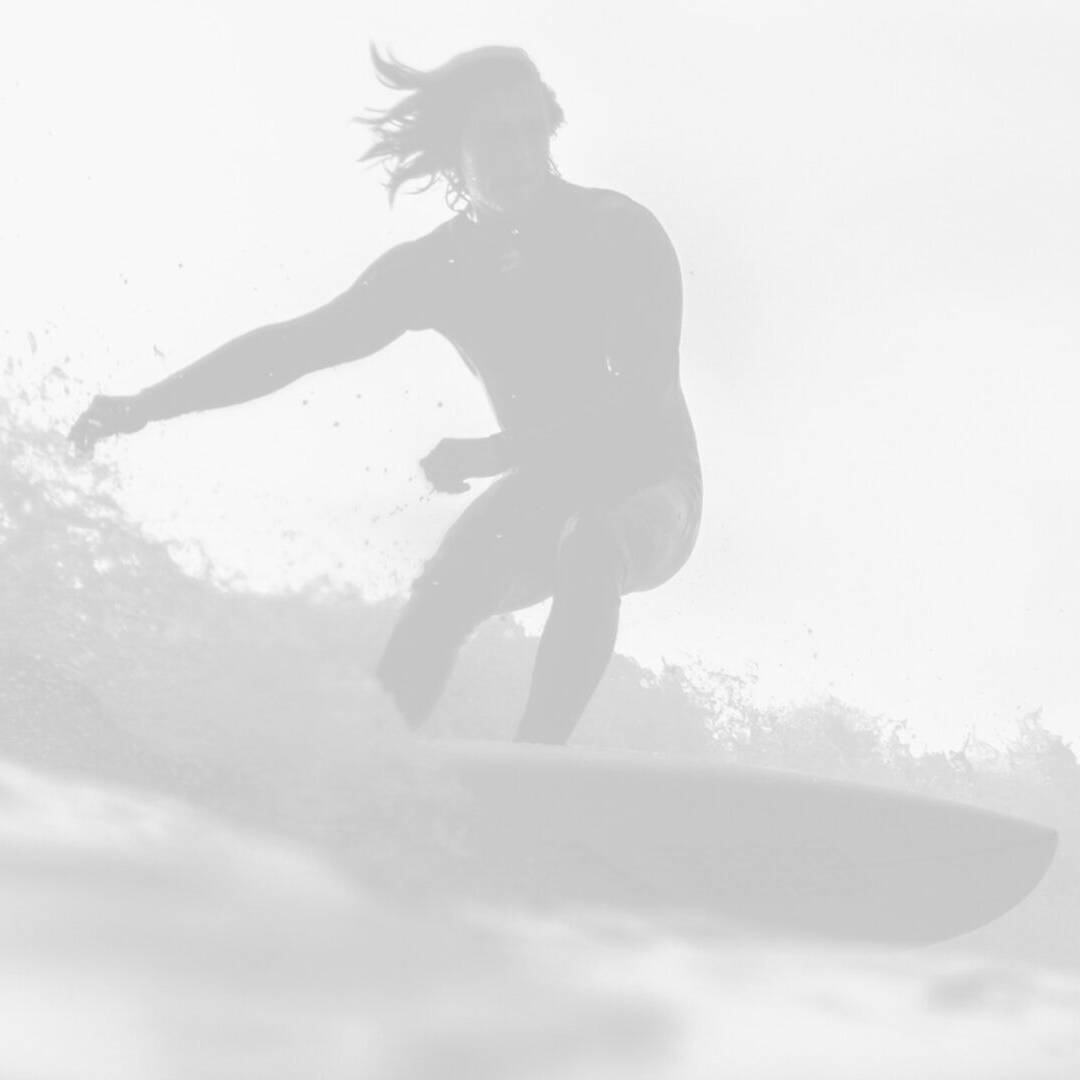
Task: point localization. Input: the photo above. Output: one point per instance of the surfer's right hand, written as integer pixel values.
(107, 416)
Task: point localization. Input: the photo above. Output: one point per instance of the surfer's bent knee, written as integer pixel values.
(590, 545)
(447, 596)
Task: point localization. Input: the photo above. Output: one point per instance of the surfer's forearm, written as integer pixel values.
(250, 366)
(374, 311)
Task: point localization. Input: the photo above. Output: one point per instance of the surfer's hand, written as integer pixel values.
(453, 461)
(105, 417)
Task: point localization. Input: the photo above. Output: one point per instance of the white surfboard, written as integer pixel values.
(770, 849)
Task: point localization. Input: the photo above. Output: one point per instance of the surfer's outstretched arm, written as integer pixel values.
(368, 316)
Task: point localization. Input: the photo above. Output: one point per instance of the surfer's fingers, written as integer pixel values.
(97, 422)
(85, 431)
(106, 416)
(447, 481)
(443, 468)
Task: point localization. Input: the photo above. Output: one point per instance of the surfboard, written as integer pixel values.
(761, 848)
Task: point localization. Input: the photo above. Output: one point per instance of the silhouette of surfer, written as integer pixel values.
(566, 303)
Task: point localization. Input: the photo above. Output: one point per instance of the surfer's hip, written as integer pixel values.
(655, 526)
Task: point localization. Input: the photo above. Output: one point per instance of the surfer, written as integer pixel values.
(565, 302)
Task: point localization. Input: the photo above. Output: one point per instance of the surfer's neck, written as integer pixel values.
(539, 201)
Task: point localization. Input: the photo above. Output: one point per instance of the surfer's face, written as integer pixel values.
(505, 148)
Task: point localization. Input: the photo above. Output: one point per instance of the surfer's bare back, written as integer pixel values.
(566, 303)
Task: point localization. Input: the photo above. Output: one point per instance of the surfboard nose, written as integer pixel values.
(980, 867)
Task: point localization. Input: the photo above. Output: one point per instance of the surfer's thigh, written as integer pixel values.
(652, 531)
(500, 554)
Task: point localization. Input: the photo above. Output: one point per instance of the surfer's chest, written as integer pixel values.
(529, 279)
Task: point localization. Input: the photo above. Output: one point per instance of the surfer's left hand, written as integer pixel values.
(453, 461)
(106, 416)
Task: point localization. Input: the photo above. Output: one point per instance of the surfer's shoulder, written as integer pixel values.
(616, 210)
(625, 223)
(436, 241)
(411, 261)
(608, 200)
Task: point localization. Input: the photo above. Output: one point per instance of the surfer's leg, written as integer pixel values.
(490, 561)
(579, 638)
(423, 646)
(630, 545)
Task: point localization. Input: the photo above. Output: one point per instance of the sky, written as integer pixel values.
(874, 208)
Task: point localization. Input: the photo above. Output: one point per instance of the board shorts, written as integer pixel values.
(503, 552)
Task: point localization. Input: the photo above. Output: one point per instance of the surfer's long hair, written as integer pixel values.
(418, 138)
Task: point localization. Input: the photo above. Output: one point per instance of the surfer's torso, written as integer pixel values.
(569, 316)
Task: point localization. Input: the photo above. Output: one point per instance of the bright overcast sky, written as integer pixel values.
(875, 208)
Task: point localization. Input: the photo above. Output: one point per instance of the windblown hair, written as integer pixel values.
(418, 137)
